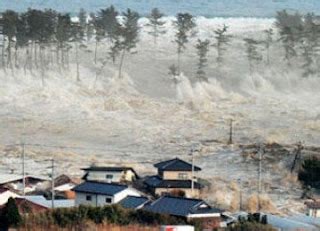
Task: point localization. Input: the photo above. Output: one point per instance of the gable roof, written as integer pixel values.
(133, 202)
(109, 169)
(178, 206)
(176, 165)
(157, 182)
(109, 189)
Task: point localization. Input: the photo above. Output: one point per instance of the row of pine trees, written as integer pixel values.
(46, 37)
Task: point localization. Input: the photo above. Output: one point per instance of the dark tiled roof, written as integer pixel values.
(132, 202)
(157, 182)
(313, 204)
(2, 190)
(175, 165)
(108, 169)
(100, 188)
(178, 206)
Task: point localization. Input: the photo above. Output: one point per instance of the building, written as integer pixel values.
(313, 209)
(42, 201)
(189, 209)
(175, 177)
(5, 194)
(100, 194)
(28, 207)
(110, 174)
(15, 182)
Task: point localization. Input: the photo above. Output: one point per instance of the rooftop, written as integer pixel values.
(178, 206)
(157, 182)
(109, 189)
(132, 202)
(313, 204)
(107, 169)
(176, 165)
(42, 201)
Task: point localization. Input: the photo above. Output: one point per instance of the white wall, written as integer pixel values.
(4, 197)
(100, 200)
(314, 213)
(101, 176)
(96, 200)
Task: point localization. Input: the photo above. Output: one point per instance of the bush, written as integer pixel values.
(10, 216)
(309, 173)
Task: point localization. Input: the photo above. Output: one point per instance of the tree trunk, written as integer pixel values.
(3, 53)
(121, 63)
(77, 60)
(95, 52)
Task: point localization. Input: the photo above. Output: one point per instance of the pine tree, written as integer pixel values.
(156, 24)
(309, 45)
(268, 41)
(184, 25)
(10, 20)
(202, 51)
(127, 36)
(222, 40)
(253, 54)
(11, 215)
(290, 28)
(63, 36)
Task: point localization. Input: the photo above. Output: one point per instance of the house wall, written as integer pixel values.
(188, 192)
(117, 176)
(101, 176)
(100, 200)
(174, 175)
(314, 213)
(97, 200)
(4, 197)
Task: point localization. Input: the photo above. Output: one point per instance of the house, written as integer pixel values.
(5, 194)
(110, 174)
(15, 182)
(189, 209)
(313, 208)
(42, 201)
(134, 202)
(100, 194)
(63, 187)
(175, 177)
(28, 207)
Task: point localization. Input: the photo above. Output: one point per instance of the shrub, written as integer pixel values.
(309, 173)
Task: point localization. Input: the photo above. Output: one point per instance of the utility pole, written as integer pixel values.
(192, 172)
(193, 149)
(240, 194)
(231, 132)
(23, 161)
(260, 175)
(52, 183)
(23, 171)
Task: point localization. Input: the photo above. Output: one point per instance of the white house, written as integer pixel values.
(100, 194)
(110, 174)
(313, 209)
(5, 194)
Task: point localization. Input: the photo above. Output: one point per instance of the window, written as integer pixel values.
(183, 176)
(108, 200)
(109, 176)
(88, 198)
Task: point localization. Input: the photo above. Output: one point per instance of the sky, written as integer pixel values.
(208, 8)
